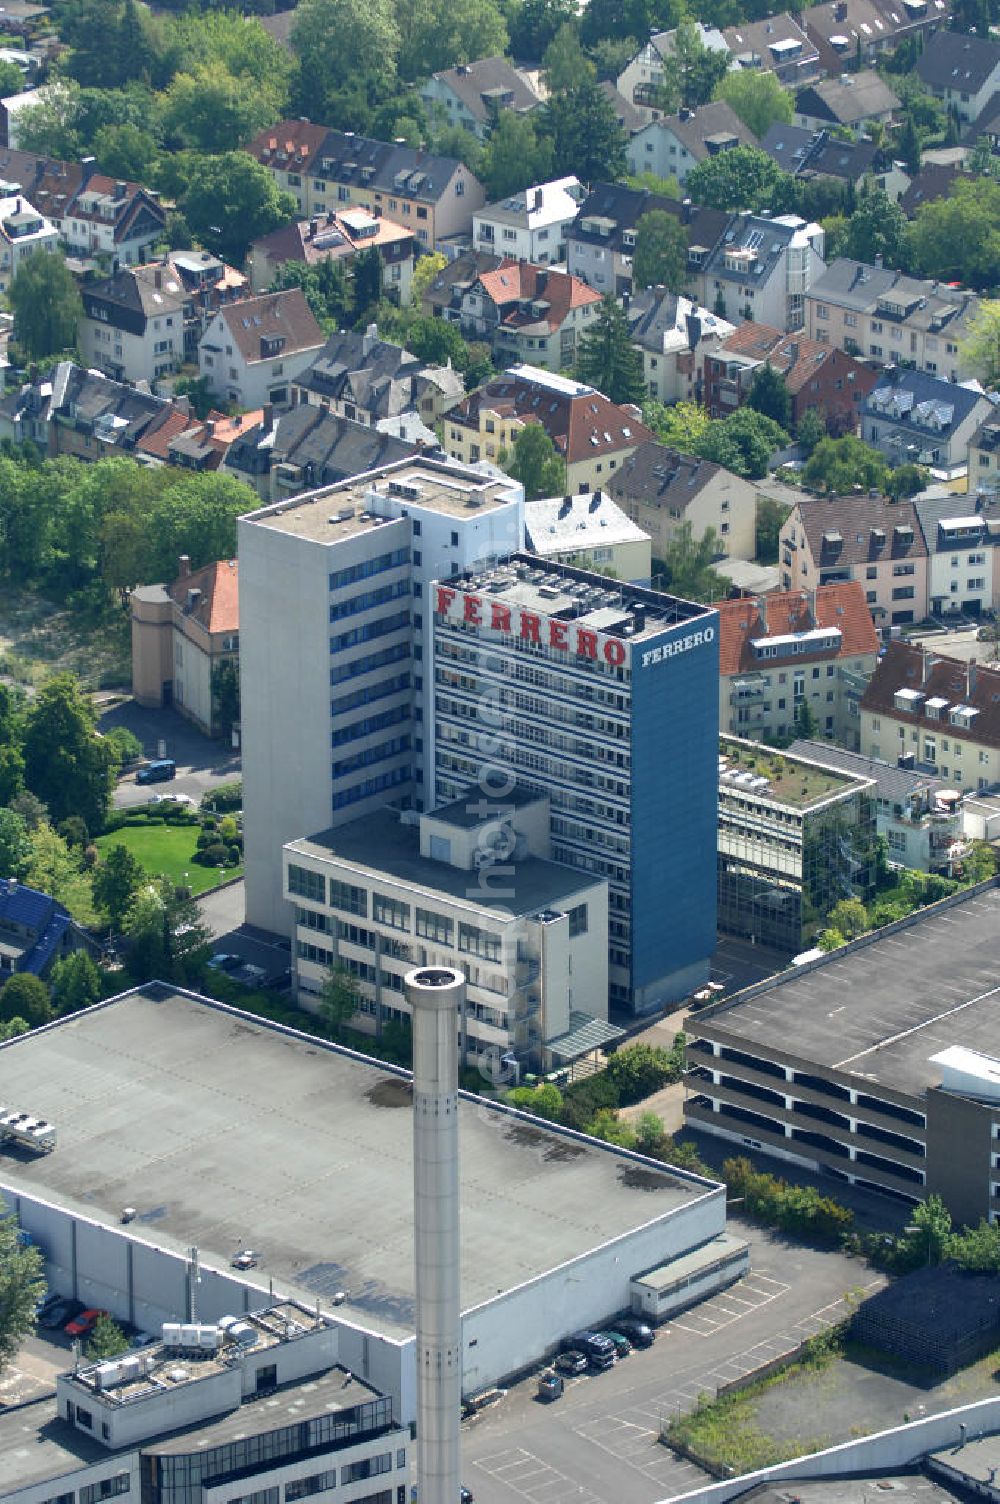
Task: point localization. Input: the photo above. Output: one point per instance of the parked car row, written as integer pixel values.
(599, 1351)
(75, 1319)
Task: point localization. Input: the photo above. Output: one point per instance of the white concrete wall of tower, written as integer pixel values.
(139, 1282)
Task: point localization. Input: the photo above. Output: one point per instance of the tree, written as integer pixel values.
(586, 137)
(31, 810)
(980, 349)
(166, 935)
(49, 127)
(771, 518)
(837, 466)
(115, 882)
(46, 305)
(661, 252)
(107, 1340)
(691, 71)
(637, 1070)
(339, 999)
(26, 996)
(76, 983)
(757, 98)
(977, 1248)
(906, 480)
(806, 724)
(21, 1288)
(930, 1230)
(909, 146)
(681, 426)
(126, 151)
(979, 863)
(743, 442)
(15, 845)
(564, 61)
(536, 464)
(877, 227)
(686, 562)
(812, 428)
(210, 110)
(424, 273)
(336, 40)
(433, 37)
(829, 940)
(232, 199)
(436, 342)
(514, 156)
(544, 1101)
(606, 358)
(67, 764)
(849, 916)
(743, 178)
(534, 23)
(769, 395)
(226, 694)
(957, 239)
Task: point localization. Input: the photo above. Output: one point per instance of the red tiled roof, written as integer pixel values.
(219, 607)
(842, 605)
(793, 355)
(522, 281)
(583, 426)
(156, 441)
(908, 666)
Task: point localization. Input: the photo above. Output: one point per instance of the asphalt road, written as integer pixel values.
(599, 1443)
(202, 764)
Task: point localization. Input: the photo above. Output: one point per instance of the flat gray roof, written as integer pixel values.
(378, 843)
(225, 1132)
(35, 1444)
(882, 1009)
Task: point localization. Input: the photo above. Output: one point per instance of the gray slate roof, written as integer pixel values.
(894, 785)
(932, 511)
(470, 82)
(329, 449)
(846, 102)
(954, 60)
(808, 153)
(856, 286)
(952, 403)
(662, 477)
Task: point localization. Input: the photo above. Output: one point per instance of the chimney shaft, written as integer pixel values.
(436, 996)
(184, 566)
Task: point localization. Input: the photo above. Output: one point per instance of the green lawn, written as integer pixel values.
(167, 850)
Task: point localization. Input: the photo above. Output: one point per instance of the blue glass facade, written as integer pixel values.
(674, 806)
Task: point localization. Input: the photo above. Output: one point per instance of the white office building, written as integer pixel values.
(335, 647)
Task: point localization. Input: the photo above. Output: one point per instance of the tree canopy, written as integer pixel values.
(757, 98)
(46, 305)
(536, 464)
(231, 199)
(586, 137)
(67, 764)
(769, 395)
(743, 178)
(661, 251)
(685, 563)
(837, 466)
(606, 358)
(21, 1287)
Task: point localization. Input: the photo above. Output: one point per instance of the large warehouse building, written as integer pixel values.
(225, 1133)
(876, 1065)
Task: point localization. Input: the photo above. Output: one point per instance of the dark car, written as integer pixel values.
(571, 1362)
(466, 1496)
(639, 1333)
(59, 1313)
(160, 771)
(596, 1347)
(619, 1342)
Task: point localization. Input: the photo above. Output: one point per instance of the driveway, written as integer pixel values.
(202, 764)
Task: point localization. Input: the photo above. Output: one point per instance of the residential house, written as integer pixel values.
(531, 225)
(890, 318)
(962, 71)
(590, 532)
(673, 335)
(325, 169)
(371, 380)
(776, 44)
(22, 232)
(817, 376)
(207, 284)
(853, 101)
(600, 242)
(849, 32)
(454, 280)
(35, 931)
(934, 180)
(194, 445)
(811, 155)
(336, 237)
(251, 352)
(984, 458)
(866, 538)
(641, 81)
(283, 454)
(762, 269)
(133, 323)
(181, 634)
(941, 712)
(913, 418)
(628, 116)
(673, 144)
(779, 652)
(75, 411)
(101, 221)
(592, 435)
(661, 490)
(962, 534)
(473, 94)
(921, 821)
(527, 313)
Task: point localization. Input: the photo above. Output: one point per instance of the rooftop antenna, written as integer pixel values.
(193, 1280)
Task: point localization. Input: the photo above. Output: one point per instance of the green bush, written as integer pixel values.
(215, 855)
(796, 1209)
(126, 743)
(234, 856)
(638, 1070)
(205, 838)
(228, 796)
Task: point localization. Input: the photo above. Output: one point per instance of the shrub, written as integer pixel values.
(215, 855)
(234, 856)
(205, 838)
(637, 1070)
(226, 797)
(126, 743)
(228, 829)
(74, 831)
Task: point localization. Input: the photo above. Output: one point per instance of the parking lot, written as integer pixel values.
(599, 1443)
(202, 764)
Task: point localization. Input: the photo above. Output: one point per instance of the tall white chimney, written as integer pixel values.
(436, 995)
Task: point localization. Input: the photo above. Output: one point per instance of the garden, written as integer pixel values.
(196, 849)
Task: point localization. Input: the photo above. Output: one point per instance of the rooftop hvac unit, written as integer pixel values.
(243, 1333)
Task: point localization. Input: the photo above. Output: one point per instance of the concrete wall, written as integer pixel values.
(885, 1451)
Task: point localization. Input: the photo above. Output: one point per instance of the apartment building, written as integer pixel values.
(22, 232)
(338, 237)
(472, 95)
(781, 651)
(775, 44)
(939, 711)
(335, 647)
(661, 490)
(80, 412)
(251, 352)
(886, 317)
(592, 435)
(818, 378)
(762, 269)
(590, 532)
(813, 155)
(582, 683)
(913, 418)
(795, 837)
(283, 454)
(133, 324)
(641, 81)
(391, 891)
(527, 313)
(672, 145)
(848, 29)
(531, 225)
(325, 169)
(868, 539)
(961, 70)
(984, 458)
(962, 536)
(851, 102)
(207, 284)
(104, 222)
(674, 337)
(920, 818)
(601, 240)
(181, 634)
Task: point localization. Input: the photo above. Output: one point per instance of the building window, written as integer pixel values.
(306, 884)
(578, 920)
(365, 1467)
(436, 927)
(350, 899)
(477, 942)
(108, 1488)
(390, 911)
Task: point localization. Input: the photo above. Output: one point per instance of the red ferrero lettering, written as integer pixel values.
(444, 599)
(500, 619)
(586, 644)
(530, 624)
(614, 652)
(471, 612)
(558, 634)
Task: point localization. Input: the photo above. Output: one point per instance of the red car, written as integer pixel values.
(83, 1324)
